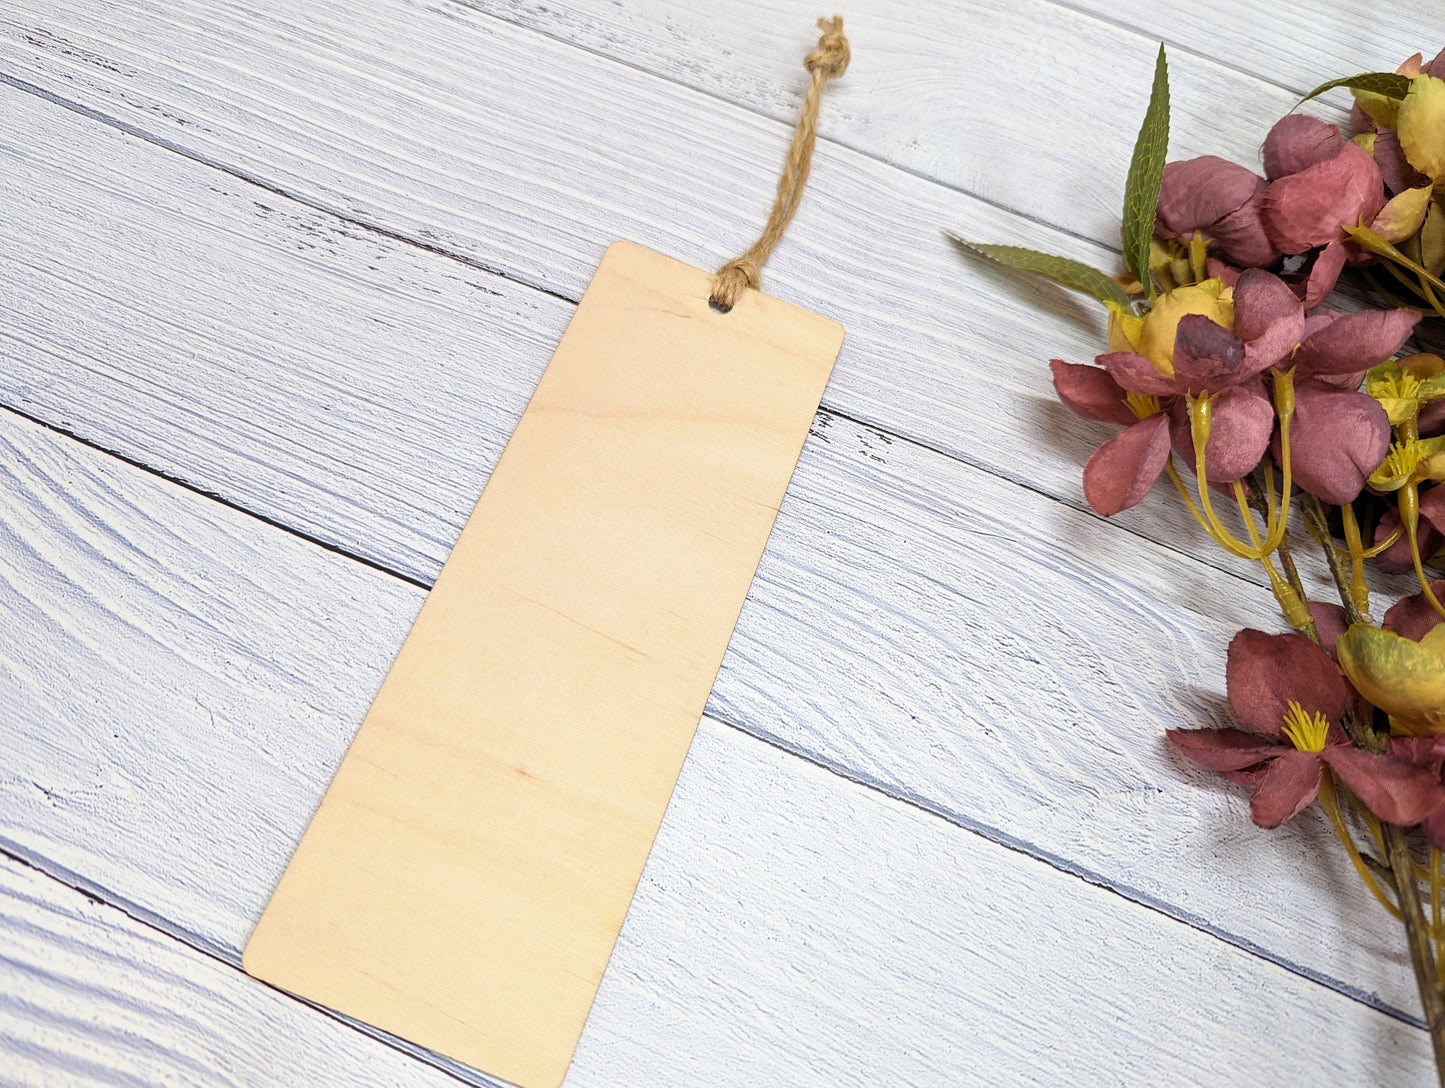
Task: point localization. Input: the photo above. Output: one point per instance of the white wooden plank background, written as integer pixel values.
(309, 259)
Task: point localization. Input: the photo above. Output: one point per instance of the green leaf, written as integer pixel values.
(1386, 84)
(1075, 275)
(1146, 174)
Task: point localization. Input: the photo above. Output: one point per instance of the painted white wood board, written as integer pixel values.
(443, 125)
(1297, 44)
(930, 636)
(391, 380)
(792, 926)
(90, 996)
(860, 435)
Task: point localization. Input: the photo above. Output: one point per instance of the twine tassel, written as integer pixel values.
(828, 61)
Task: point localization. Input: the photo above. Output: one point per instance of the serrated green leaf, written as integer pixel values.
(1146, 174)
(1388, 84)
(1075, 275)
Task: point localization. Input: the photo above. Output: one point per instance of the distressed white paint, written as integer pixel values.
(460, 131)
(179, 681)
(89, 996)
(182, 678)
(792, 927)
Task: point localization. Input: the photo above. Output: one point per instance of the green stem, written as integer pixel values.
(1417, 937)
(1320, 529)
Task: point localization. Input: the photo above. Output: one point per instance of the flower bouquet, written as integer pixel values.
(1223, 356)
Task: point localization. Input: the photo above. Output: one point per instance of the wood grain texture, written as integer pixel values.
(791, 927)
(180, 325)
(442, 125)
(511, 775)
(1295, 44)
(89, 996)
(978, 595)
(911, 639)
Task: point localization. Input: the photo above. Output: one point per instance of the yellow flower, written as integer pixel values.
(1421, 126)
(1401, 386)
(1153, 335)
(1410, 461)
(1404, 678)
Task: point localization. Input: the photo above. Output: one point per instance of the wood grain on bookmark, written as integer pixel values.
(466, 876)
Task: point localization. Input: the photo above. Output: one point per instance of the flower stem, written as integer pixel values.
(1258, 502)
(1417, 937)
(1330, 802)
(1358, 589)
(1320, 530)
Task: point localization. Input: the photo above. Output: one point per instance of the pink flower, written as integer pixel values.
(1309, 208)
(1289, 699)
(1222, 200)
(1122, 470)
(1208, 358)
(1341, 435)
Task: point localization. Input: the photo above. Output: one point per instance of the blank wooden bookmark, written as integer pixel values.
(467, 873)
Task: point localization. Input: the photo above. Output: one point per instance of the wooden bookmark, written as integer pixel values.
(467, 873)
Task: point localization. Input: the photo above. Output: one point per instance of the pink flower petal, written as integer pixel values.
(1238, 436)
(1421, 751)
(1219, 270)
(1268, 317)
(1432, 418)
(1396, 558)
(1329, 622)
(1337, 438)
(1436, 67)
(1196, 193)
(1090, 392)
(1223, 749)
(1414, 617)
(1321, 274)
(1307, 209)
(1395, 170)
(1207, 357)
(1298, 141)
(1290, 784)
(1434, 827)
(1136, 373)
(1395, 791)
(1242, 237)
(1355, 341)
(1432, 507)
(1266, 672)
(1122, 470)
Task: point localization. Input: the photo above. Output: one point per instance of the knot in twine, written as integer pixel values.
(828, 61)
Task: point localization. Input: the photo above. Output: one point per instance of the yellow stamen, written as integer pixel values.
(1400, 386)
(1304, 729)
(1143, 405)
(1402, 460)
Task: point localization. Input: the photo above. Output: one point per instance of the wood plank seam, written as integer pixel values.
(1180, 46)
(143, 918)
(1069, 496)
(955, 817)
(1249, 576)
(782, 119)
